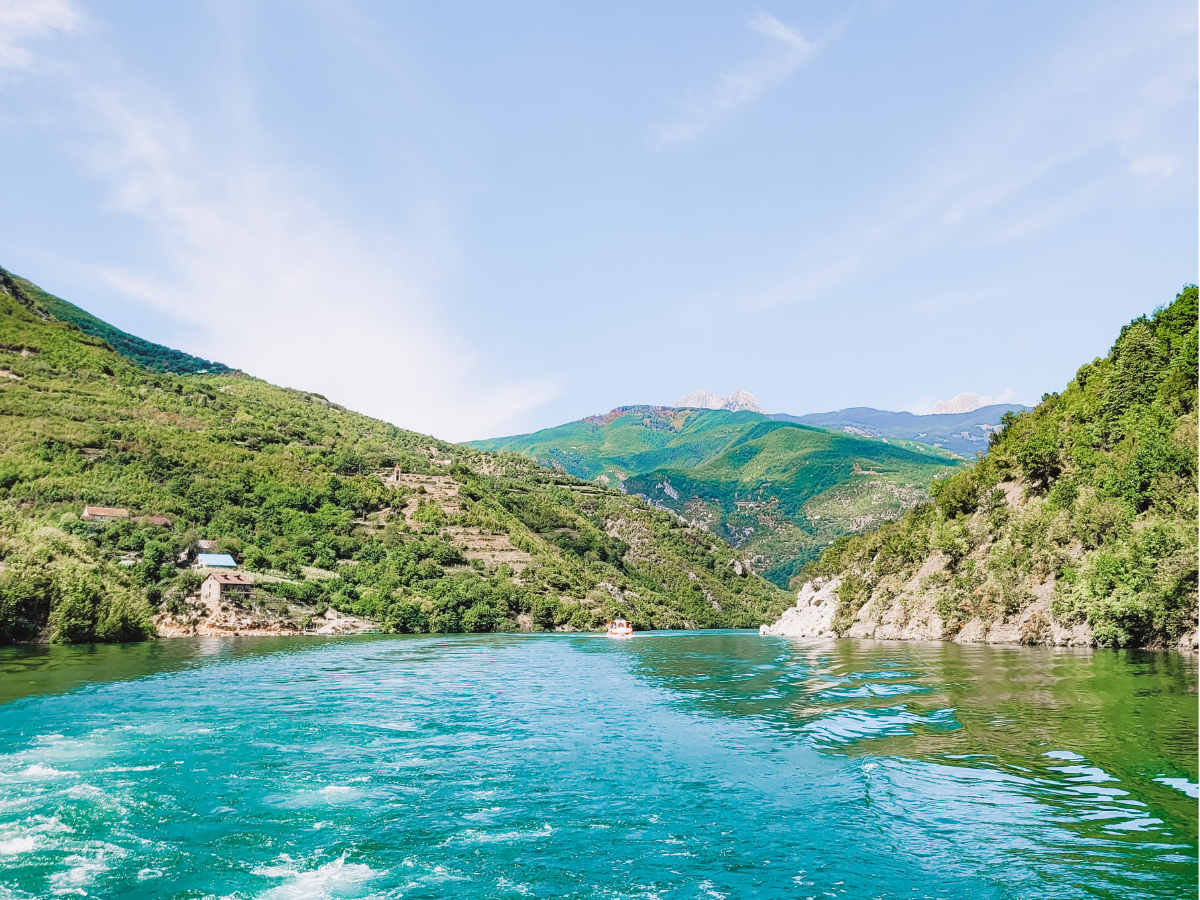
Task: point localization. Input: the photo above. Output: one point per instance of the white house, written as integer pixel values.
(103, 513)
(225, 585)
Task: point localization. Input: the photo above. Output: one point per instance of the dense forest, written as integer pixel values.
(1093, 491)
(305, 495)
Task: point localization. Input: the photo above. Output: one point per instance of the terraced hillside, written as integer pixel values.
(778, 491)
(322, 506)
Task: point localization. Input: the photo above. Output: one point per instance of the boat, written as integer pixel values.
(619, 628)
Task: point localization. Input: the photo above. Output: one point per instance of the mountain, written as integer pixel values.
(736, 402)
(960, 403)
(323, 507)
(1079, 527)
(964, 433)
(154, 357)
(778, 491)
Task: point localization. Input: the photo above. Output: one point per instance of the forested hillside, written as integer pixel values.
(778, 491)
(306, 494)
(148, 355)
(1080, 525)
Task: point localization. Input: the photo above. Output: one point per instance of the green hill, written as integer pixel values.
(1079, 526)
(307, 494)
(154, 357)
(778, 491)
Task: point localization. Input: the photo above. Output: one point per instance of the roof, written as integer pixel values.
(231, 578)
(105, 511)
(206, 545)
(217, 559)
(156, 520)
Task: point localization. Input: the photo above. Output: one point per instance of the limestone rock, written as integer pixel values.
(736, 402)
(812, 616)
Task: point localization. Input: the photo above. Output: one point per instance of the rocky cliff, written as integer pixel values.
(1077, 529)
(738, 401)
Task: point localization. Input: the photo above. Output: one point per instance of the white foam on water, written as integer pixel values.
(83, 869)
(17, 845)
(35, 772)
(148, 874)
(710, 890)
(474, 836)
(334, 879)
(507, 884)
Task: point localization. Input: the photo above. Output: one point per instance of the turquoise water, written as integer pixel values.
(701, 765)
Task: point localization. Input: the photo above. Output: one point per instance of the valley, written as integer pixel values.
(779, 491)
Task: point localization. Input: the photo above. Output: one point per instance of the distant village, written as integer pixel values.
(226, 584)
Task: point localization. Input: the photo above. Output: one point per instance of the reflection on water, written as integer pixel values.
(673, 765)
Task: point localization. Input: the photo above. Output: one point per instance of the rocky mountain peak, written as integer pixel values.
(963, 403)
(736, 402)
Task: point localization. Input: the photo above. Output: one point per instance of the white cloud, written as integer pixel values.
(21, 20)
(277, 286)
(267, 277)
(787, 51)
(1030, 159)
(963, 402)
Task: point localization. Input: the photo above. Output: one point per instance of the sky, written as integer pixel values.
(482, 219)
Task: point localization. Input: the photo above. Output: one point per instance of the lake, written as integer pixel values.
(689, 765)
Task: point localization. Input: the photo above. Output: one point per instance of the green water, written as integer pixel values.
(701, 765)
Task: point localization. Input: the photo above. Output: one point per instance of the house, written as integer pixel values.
(225, 586)
(206, 545)
(103, 513)
(215, 561)
(155, 520)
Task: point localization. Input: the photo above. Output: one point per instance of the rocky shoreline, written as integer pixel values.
(232, 619)
(913, 616)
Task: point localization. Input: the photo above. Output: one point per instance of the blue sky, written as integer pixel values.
(482, 219)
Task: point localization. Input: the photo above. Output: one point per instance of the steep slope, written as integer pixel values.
(324, 506)
(778, 491)
(148, 355)
(963, 433)
(1079, 527)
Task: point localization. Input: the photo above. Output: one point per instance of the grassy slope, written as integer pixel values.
(146, 354)
(288, 482)
(1108, 470)
(779, 491)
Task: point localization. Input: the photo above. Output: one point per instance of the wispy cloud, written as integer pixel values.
(268, 277)
(786, 51)
(1033, 158)
(23, 20)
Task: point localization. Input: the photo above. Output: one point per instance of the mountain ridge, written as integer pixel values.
(738, 401)
(778, 490)
(965, 433)
(325, 509)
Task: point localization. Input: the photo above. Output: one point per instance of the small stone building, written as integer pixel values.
(225, 586)
(103, 513)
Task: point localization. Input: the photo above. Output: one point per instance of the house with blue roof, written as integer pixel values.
(216, 561)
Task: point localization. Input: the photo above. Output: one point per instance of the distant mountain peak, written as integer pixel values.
(736, 402)
(963, 403)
